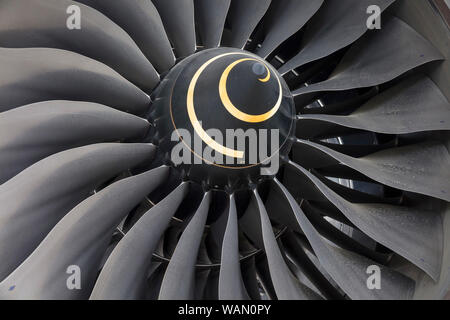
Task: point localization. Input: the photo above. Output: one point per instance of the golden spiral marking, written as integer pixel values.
(227, 103)
(235, 112)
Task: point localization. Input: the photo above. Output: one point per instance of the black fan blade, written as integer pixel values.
(125, 272)
(33, 132)
(27, 200)
(178, 20)
(38, 74)
(142, 22)
(82, 237)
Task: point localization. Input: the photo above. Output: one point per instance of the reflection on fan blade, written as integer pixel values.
(243, 18)
(359, 150)
(264, 278)
(33, 132)
(141, 20)
(308, 129)
(286, 17)
(343, 172)
(413, 105)
(42, 23)
(368, 63)
(415, 234)
(231, 285)
(178, 20)
(39, 74)
(354, 195)
(325, 228)
(286, 286)
(82, 237)
(210, 18)
(333, 234)
(336, 25)
(27, 201)
(349, 269)
(420, 168)
(179, 279)
(297, 254)
(249, 277)
(125, 272)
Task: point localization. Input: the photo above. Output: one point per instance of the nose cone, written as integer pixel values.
(230, 110)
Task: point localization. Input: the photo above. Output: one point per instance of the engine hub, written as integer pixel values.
(224, 116)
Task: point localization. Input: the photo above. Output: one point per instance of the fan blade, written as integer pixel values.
(33, 132)
(336, 25)
(339, 238)
(179, 279)
(415, 234)
(353, 195)
(286, 17)
(348, 269)
(42, 23)
(125, 272)
(243, 18)
(39, 74)
(283, 210)
(420, 168)
(27, 201)
(414, 105)
(142, 22)
(231, 285)
(178, 20)
(286, 286)
(210, 17)
(359, 150)
(368, 63)
(249, 278)
(298, 255)
(95, 219)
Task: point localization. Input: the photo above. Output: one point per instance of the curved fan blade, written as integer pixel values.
(412, 233)
(308, 264)
(359, 150)
(340, 239)
(277, 198)
(178, 20)
(82, 237)
(27, 201)
(179, 279)
(420, 168)
(285, 284)
(231, 285)
(285, 18)
(141, 20)
(352, 194)
(210, 18)
(125, 272)
(414, 105)
(368, 63)
(336, 25)
(349, 269)
(42, 23)
(243, 18)
(38, 74)
(33, 132)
